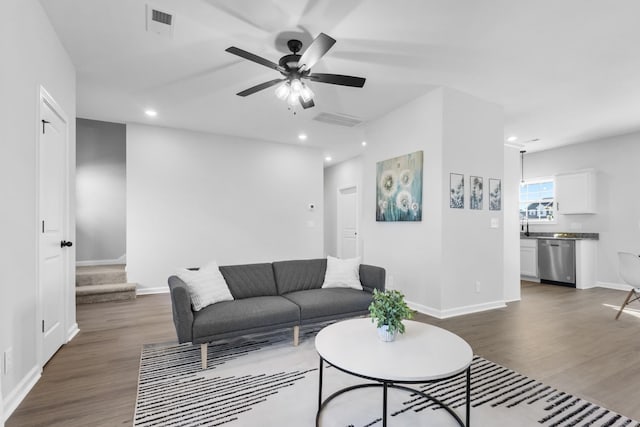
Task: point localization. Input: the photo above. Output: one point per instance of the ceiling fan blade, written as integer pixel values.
(337, 79)
(306, 105)
(258, 88)
(255, 58)
(315, 51)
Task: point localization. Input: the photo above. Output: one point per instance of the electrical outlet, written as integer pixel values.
(477, 286)
(8, 361)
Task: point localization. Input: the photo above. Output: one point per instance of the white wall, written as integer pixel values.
(472, 251)
(32, 55)
(410, 251)
(457, 133)
(193, 197)
(343, 175)
(100, 191)
(511, 194)
(618, 218)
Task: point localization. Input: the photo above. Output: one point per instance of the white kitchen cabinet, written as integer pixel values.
(529, 258)
(586, 262)
(576, 192)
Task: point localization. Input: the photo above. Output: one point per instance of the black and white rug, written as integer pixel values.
(265, 381)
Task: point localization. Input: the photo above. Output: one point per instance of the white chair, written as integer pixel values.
(629, 270)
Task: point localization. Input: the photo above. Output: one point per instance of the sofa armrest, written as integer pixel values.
(181, 307)
(372, 277)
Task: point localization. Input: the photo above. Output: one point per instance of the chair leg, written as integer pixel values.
(203, 355)
(296, 335)
(626, 301)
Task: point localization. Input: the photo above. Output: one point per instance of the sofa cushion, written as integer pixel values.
(299, 275)
(243, 314)
(250, 280)
(316, 304)
(206, 285)
(342, 273)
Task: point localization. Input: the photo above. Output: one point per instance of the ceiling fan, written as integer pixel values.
(295, 68)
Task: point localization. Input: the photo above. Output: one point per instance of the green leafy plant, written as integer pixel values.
(389, 308)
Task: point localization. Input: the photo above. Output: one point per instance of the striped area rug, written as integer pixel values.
(265, 381)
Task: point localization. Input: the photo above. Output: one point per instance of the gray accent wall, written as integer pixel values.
(100, 191)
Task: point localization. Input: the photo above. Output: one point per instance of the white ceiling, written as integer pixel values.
(565, 71)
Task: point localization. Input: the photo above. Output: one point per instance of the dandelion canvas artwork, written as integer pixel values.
(476, 192)
(456, 191)
(495, 194)
(399, 188)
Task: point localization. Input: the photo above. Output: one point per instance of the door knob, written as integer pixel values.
(65, 243)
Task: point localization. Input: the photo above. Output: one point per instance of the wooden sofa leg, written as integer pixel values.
(296, 335)
(203, 355)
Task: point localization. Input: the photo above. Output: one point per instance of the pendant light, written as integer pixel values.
(522, 166)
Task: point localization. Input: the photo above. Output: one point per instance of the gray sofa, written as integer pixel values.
(270, 296)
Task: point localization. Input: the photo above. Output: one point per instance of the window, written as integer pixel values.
(537, 200)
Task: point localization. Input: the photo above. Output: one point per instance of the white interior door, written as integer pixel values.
(52, 227)
(348, 223)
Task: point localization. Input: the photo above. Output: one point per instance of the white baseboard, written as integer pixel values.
(149, 291)
(72, 332)
(616, 286)
(429, 311)
(121, 260)
(458, 311)
(17, 395)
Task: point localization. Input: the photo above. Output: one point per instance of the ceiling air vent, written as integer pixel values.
(159, 21)
(338, 119)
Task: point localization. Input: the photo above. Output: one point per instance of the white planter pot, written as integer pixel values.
(385, 335)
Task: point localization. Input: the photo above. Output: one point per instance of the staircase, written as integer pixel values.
(102, 283)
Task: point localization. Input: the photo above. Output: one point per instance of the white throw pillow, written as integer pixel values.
(206, 286)
(342, 273)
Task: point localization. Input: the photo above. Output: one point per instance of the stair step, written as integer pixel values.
(100, 274)
(105, 292)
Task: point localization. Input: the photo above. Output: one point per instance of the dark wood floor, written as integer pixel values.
(562, 336)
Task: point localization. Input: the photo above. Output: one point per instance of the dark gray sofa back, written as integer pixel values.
(250, 280)
(299, 275)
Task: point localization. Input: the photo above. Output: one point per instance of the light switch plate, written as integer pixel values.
(494, 223)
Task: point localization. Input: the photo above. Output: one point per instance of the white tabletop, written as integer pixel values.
(423, 353)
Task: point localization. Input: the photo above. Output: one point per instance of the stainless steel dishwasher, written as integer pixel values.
(557, 261)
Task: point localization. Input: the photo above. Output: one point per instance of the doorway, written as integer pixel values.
(348, 239)
(53, 225)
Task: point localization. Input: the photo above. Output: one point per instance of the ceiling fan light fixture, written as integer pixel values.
(306, 93)
(293, 68)
(282, 91)
(296, 85)
(292, 99)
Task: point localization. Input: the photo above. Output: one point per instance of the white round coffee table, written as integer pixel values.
(423, 354)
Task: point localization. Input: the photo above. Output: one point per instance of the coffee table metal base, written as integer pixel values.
(385, 385)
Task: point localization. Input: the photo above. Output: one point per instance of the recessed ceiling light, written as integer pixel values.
(151, 113)
(364, 143)
(328, 158)
(512, 138)
(302, 137)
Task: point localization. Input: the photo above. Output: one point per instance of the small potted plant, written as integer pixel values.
(389, 309)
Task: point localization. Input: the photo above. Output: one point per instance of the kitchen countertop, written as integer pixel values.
(561, 236)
